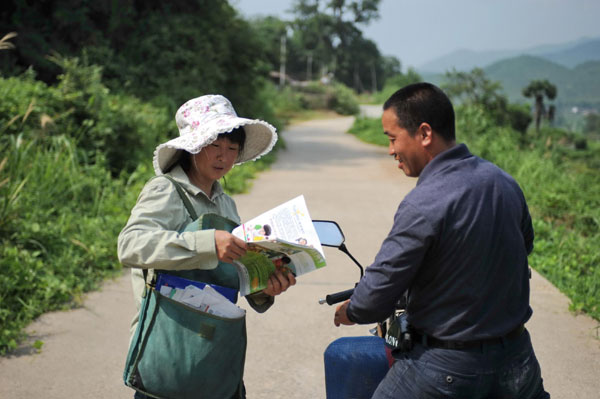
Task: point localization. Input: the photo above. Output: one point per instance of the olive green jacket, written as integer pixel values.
(151, 238)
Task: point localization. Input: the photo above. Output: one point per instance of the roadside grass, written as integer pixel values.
(562, 187)
(58, 222)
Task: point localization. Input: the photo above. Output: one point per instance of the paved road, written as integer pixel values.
(341, 179)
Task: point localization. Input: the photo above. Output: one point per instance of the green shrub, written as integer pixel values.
(316, 96)
(278, 106)
(121, 128)
(519, 117)
(343, 100)
(286, 102)
(25, 105)
(59, 219)
(369, 130)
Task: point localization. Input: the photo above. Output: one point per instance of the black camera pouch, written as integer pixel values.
(398, 336)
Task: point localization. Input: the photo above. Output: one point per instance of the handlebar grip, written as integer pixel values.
(339, 296)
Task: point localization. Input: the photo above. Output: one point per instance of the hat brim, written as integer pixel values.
(260, 140)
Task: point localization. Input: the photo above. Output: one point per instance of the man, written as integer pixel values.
(459, 247)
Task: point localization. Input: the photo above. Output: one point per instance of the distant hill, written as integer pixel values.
(516, 73)
(579, 86)
(463, 60)
(576, 55)
(566, 54)
(576, 86)
(573, 67)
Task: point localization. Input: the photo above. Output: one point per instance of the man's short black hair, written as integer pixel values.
(423, 102)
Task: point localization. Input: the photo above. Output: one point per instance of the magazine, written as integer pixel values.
(281, 238)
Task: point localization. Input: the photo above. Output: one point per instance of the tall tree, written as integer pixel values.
(328, 32)
(165, 50)
(474, 88)
(540, 89)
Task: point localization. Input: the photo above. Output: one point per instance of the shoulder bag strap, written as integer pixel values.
(186, 202)
(183, 196)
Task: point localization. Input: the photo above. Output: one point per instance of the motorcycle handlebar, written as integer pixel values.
(337, 297)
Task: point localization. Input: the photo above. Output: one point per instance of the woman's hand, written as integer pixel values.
(279, 281)
(229, 247)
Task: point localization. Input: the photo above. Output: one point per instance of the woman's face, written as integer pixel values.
(214, 161)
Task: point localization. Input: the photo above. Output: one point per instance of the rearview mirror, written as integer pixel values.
(330, 234)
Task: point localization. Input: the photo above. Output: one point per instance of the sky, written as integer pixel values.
(418, 31)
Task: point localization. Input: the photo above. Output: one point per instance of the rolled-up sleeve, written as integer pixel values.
(151, 238)
(395, 266)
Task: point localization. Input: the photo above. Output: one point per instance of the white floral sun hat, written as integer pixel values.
(201, 120)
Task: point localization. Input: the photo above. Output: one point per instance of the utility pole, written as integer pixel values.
(373, 78)
(282, 61)
(357, 82)
(309, 66)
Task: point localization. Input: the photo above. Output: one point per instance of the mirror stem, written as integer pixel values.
(345, 250)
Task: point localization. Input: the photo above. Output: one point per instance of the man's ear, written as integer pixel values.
(425, 134)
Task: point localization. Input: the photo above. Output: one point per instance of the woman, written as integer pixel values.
(212, 139)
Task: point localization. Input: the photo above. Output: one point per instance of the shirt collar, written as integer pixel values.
(180, 176)
(443, 160)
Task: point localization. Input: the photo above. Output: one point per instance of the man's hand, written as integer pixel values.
(279, 281)
(341, 317)
(229, 247)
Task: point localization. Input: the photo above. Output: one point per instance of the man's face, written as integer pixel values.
(407, 150)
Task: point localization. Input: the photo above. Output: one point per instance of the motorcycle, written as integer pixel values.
(354, 366)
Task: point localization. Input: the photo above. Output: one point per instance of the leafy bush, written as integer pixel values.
(121, 128)
(562, 187)
(343, 100)
(278, 106)
(369, 130)
(170, 51)
(286, 102)
(59, 219)
(26, 104)
(317, 96)
(519, 117)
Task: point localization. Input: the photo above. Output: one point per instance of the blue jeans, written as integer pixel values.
(501, 370)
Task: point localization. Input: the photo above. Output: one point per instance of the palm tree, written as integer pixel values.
(539, 89)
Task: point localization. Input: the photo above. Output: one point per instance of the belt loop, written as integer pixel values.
(424, 340)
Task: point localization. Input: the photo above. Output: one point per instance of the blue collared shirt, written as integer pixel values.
(459, 245)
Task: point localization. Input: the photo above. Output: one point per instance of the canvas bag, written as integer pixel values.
(180, 352)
